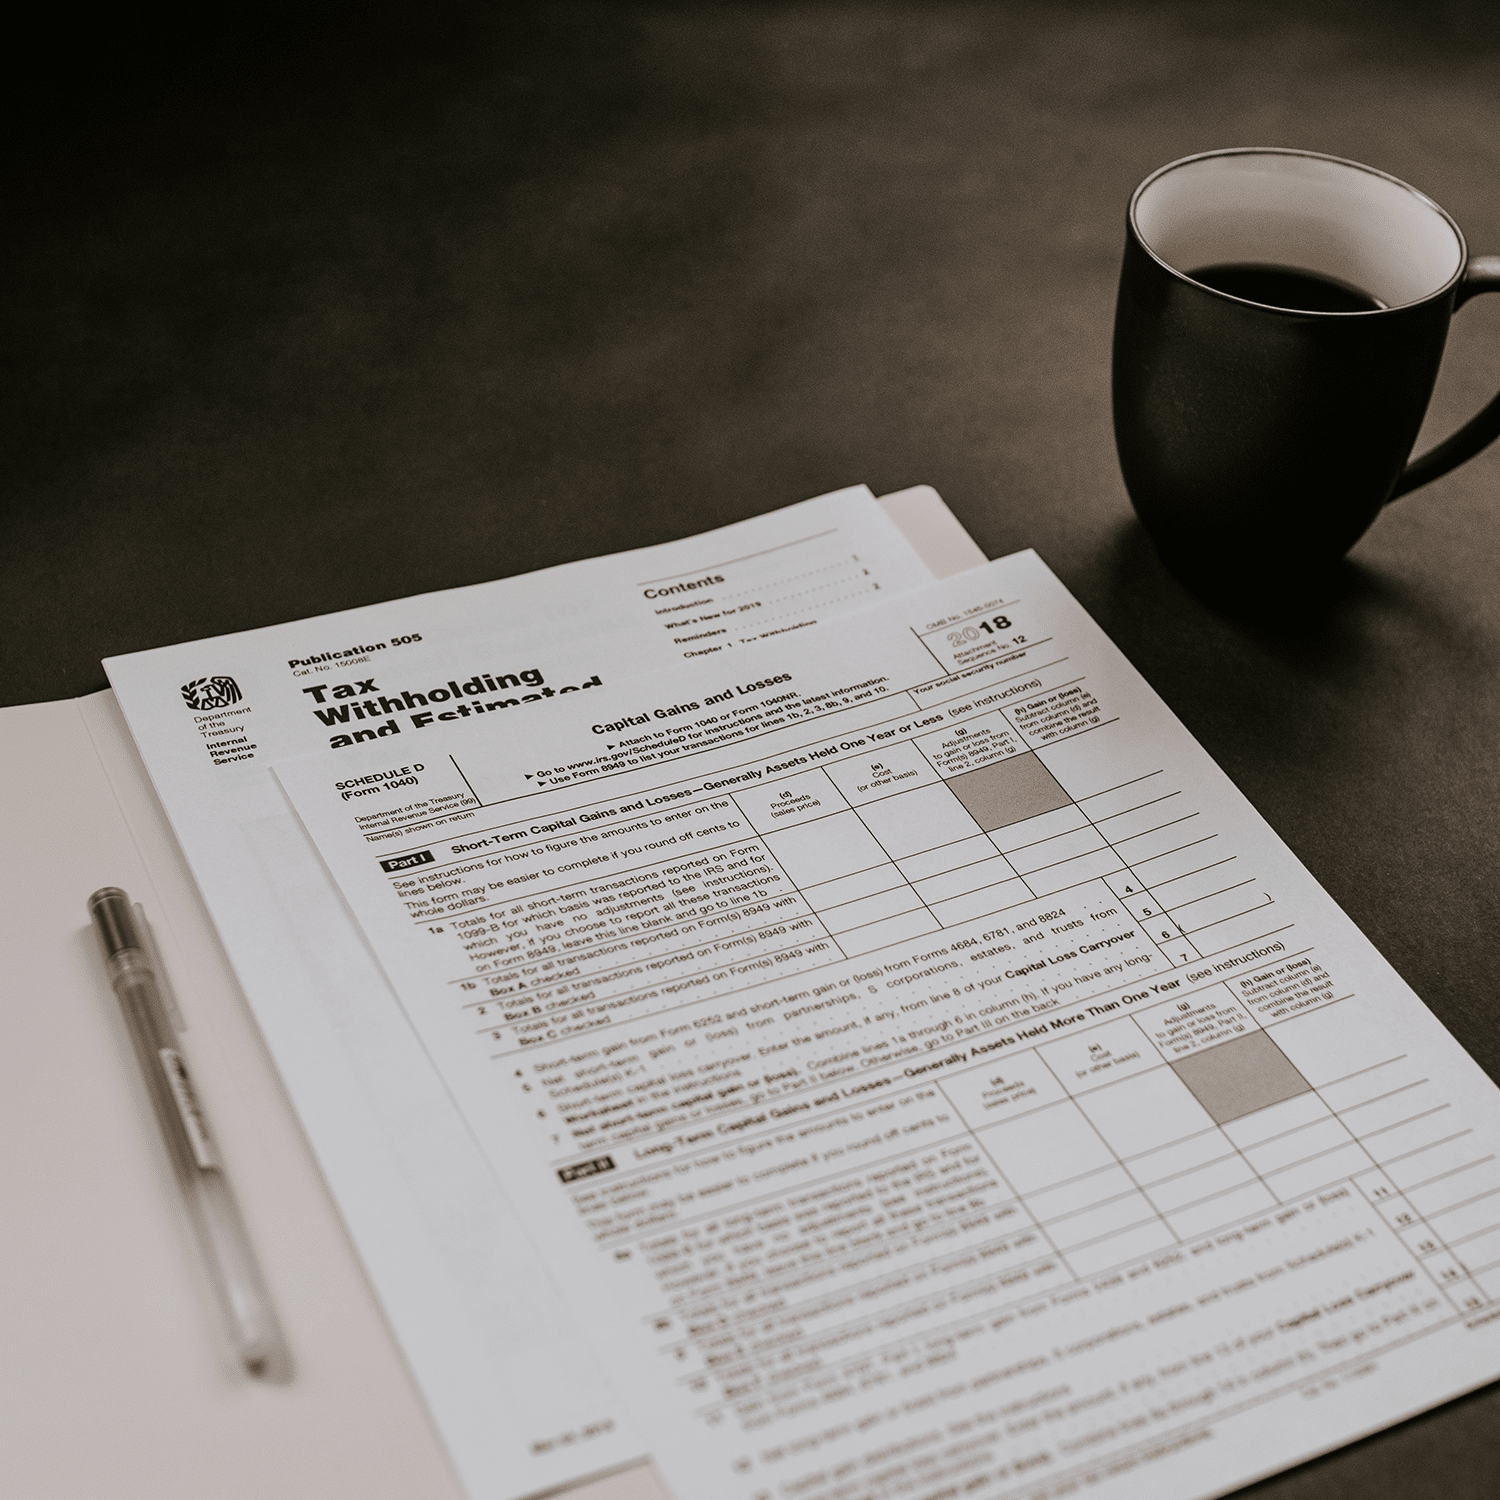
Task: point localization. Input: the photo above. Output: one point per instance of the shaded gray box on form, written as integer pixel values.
(1237, 1078)
(1010, 791)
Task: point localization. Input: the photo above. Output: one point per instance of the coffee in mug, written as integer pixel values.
(1280, 323)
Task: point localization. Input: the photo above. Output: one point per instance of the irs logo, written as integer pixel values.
(204, 693)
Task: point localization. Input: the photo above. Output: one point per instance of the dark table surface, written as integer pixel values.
(307, 311)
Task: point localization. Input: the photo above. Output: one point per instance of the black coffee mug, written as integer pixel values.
(1280, 323)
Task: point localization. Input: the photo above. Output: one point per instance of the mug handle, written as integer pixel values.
(1482, 274)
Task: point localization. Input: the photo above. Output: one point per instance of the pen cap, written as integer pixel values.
(114, 920)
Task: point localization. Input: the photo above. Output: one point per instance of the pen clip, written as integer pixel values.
(158, 968)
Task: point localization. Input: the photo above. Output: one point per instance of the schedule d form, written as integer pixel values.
(924, 1071)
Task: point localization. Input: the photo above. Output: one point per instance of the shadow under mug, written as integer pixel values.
(1258, 440)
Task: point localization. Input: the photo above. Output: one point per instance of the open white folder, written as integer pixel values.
(932, 1075)
(105, 1309)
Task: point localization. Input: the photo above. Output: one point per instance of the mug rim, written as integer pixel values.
(1294, 312)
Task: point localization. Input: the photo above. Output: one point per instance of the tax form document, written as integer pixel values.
(509, 1379)
(925, 1072)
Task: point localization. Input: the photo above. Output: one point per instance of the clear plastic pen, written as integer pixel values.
(195, 1159)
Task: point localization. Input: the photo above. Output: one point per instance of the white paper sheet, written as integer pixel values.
(511, 1383)
(926, 1072)
(105, 1306)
